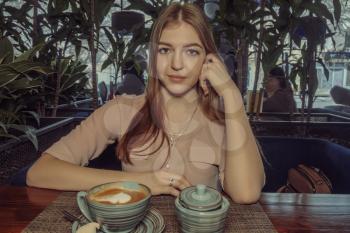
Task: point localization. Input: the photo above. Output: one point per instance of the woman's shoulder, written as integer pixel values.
(121, 105)
(128, 100)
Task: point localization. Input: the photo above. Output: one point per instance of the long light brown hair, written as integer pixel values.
(148, 123)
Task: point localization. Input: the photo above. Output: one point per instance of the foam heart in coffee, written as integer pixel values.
(118, 196)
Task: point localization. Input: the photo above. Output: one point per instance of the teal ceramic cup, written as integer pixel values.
(117, 207)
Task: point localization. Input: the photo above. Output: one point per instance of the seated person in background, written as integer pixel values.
(340, 95)
(188, 128)
(279, 93)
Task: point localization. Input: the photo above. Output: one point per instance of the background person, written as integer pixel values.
(278, 93)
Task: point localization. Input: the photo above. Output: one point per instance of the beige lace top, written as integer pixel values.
(198, 154)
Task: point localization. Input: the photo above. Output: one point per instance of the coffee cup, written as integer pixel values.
(117, 206)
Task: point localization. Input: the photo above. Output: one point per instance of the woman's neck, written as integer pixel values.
(179, 108)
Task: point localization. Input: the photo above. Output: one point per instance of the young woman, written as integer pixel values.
(188, 128)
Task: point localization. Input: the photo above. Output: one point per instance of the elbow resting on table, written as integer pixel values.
(37, 175)
(32, 178)
(249, 195)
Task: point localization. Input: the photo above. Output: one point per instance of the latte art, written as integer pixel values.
(116, 196)
(119, 198)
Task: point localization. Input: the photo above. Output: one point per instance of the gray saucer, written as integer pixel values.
(152, 223)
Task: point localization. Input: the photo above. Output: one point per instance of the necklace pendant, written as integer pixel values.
(172, 141)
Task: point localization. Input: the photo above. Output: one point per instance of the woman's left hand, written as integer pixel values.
(214, 71)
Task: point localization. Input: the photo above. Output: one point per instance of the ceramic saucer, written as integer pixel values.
(152, 223)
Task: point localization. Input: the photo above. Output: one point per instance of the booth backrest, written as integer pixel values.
(283, 153)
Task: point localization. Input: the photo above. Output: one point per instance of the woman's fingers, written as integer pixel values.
(167, 183)
(173, 191)
(202, 79)
(214, 72)
(211, 65)
(184, 183)
(174, 180)
(213, 59)
(176, 185)
(179, 182)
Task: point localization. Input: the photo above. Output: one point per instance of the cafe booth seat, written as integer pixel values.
(283, 153)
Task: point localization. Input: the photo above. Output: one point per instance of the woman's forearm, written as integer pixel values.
(50, 172)
(244, 171)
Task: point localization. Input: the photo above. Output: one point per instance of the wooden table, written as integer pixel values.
(288, 212)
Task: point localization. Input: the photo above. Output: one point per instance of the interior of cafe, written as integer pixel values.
(174, 116)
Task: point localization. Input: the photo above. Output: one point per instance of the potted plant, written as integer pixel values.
(20, 79)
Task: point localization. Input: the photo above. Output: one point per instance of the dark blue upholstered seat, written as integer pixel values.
(283, 153)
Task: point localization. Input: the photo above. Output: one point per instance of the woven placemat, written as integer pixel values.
(241, 218)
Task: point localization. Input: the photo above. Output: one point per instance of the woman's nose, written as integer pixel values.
(177, 61)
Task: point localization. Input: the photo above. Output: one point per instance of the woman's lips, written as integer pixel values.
(176, 78)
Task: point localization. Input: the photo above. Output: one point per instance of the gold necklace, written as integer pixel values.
(174, 136)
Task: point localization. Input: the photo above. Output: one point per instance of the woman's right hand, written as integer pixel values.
(162, 182)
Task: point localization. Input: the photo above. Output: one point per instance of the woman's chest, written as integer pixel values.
(200, 150)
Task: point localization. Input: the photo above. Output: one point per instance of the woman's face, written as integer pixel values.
(180, 57)
(272, 84)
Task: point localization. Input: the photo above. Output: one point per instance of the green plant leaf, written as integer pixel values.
(10, 72)
(29, 131)
(337, 10)
(319, 9)
(8, 116)
(270, 57)
(61, 5)
(325, 69)
(6, 51)
(108, 61)
(6, 135)
(77, 47)
(34, 115)
(292, 77)
(3, 127)
(110, 38)
(71, 80)
(24, 83)
(63, 66)
(79, 68)
(102, 8)
(7, 75)
(258, 15)
(25, 66)
(28, 55)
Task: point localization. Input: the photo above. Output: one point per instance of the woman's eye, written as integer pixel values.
(192, 52)
(163, 50)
